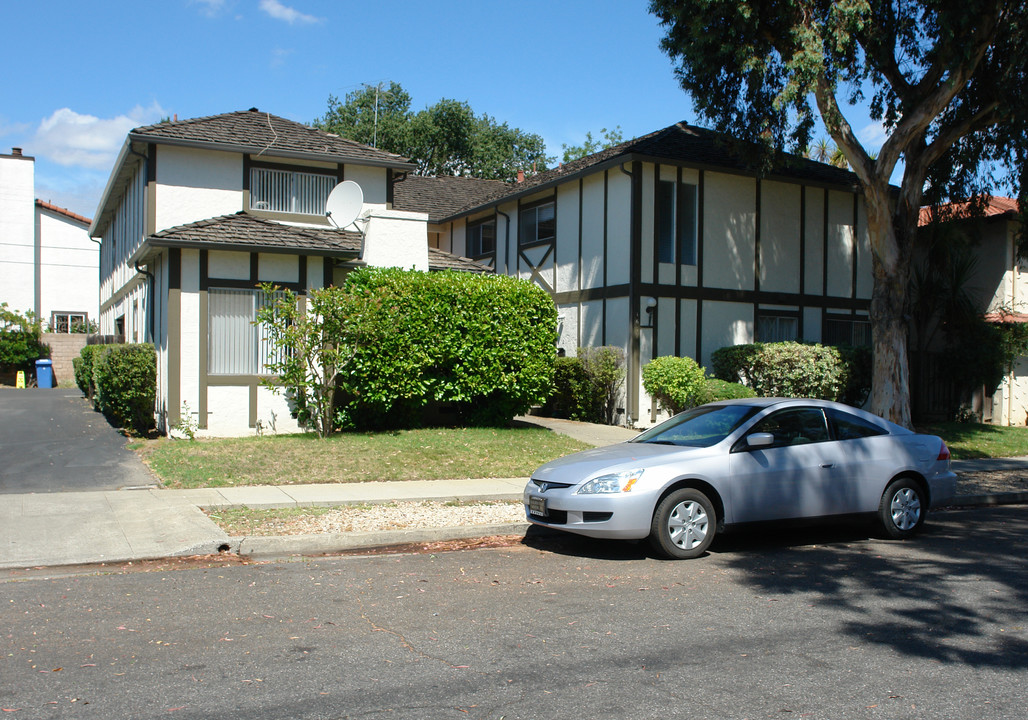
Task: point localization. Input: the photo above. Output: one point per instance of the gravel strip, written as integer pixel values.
(404, 515)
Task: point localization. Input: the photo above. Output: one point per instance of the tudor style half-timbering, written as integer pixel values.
(198, 213)
(669, 245)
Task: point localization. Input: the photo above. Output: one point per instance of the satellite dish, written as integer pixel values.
(344, 203)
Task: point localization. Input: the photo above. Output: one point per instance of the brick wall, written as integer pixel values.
(62, 349)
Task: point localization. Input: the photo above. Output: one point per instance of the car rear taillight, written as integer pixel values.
(943, 453)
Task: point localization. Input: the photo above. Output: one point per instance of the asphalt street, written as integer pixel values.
(809, 623)
(52, 441)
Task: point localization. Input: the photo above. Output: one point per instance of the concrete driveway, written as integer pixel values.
(53, 441)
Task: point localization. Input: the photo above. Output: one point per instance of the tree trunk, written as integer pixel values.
(892, 248)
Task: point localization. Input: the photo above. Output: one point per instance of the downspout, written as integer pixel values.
(632, 391)
(506, 240)
(149, 302)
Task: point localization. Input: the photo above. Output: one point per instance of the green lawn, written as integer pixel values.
(426, 454)
(968, 441)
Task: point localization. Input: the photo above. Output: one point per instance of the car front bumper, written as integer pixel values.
(621, 516)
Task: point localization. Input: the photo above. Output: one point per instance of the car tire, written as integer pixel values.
(903, 509)
(684, 524)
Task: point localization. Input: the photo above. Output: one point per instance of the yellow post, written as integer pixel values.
(20, 382)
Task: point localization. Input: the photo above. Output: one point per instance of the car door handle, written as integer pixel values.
(826, 466)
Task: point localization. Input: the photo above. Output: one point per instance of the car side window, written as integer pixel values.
(796, 426)
(850, 427)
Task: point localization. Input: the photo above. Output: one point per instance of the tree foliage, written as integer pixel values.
(20, 340)
(591, 145)
(605, 368)
(446, 138)
(942, 77)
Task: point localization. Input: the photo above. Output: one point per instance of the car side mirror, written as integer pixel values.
(760, 440)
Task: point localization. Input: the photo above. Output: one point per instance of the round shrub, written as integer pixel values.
(714, 390)
(791, 369)
(574, 397)
(676, 383)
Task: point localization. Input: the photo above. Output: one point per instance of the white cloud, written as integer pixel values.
(210, 8)
(72, 139)
(873, 136)
(290, 15)
(279, 56)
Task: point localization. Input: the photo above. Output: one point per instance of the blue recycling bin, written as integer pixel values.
(44, 373)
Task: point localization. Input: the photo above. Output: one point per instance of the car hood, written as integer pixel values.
(573, 469)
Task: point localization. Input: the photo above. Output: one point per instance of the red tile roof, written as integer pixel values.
(996, 207)
(62, 211)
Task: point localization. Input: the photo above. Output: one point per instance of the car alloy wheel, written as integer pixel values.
(683, 524)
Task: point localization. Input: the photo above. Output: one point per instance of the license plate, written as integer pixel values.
(537, 506)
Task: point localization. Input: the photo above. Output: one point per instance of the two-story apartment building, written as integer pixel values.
(669, 244)
(198, 213)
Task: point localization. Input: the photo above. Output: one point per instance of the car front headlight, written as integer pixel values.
(613, 483)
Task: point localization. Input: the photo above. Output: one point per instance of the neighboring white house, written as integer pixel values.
(670, 245)
(48, 263)
(999, 286)
(197, 213)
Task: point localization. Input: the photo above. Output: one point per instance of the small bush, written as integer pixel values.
(574, 397)
(125, 380)
(715, 389)
(605, 367)
(676, 383)
(790, 369)
(83, 365)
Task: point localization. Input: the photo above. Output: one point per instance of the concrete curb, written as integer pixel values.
(277, 546)
(1013, 498)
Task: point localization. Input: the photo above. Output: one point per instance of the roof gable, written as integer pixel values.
(263, 133)
(443, 196)
(678, 143)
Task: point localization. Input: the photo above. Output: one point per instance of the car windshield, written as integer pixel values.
(700, 427)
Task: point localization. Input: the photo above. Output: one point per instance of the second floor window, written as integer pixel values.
(676, 222)
(289, 191)
(481, 238)
(538, 223)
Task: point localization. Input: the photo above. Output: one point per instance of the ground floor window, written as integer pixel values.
(855, 331)
(777, 328)
(236, 343)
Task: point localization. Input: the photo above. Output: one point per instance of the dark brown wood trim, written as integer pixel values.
(700, 243)
(634, 292)
(150, 223)
(203, 341)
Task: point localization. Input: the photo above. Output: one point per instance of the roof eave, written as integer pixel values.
(257, 149)
(112, 182)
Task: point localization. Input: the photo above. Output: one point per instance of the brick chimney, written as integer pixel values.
(521, 176)
(16, 152)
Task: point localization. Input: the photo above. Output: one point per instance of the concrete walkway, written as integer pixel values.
(72, 528)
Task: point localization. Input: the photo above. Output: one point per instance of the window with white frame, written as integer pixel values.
(773, 327)
(69, 322)
(236, 343)
(538, 223)
(676, 222)
(289, 191)
(481, 237)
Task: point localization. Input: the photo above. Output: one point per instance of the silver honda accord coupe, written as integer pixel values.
(744, 461)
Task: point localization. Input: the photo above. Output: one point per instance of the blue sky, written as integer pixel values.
(79, 75)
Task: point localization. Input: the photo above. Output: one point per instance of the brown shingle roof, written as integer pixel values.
(678, 143)
(249, 233)
(262, 132)
(443, 196)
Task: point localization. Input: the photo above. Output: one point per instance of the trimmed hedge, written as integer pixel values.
(715, 389)
(791, 369)
(676, 383)
(125, 381)
(480, 347)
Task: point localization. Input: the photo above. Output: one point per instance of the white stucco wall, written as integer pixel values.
(780, 229)
(17, 232)
(729, 227)
(373, 184)
(196, 184)
(395, 238)
(592, 231)
(69, 266)
(841, 244)
(724, 324)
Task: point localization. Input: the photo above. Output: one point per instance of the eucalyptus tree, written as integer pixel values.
(945, 78)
